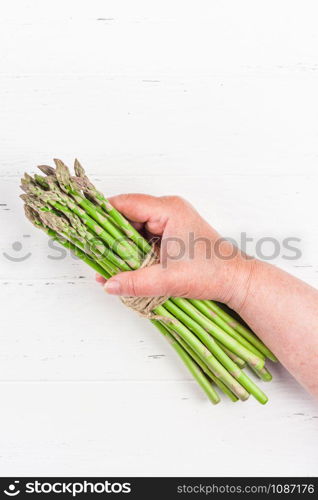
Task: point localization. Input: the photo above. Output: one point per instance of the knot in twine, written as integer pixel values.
(145, 305)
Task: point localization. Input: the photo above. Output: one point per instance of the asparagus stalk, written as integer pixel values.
(219, 354)
(219, 334)
(213, 317)
(90, 190)
(262, 373)
(32, 216)
(239, 361)
(193, 367)
(202, 365)
(247, 334)
(203, 352)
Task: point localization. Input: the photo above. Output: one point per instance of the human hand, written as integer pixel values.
(272, 302)
(194, 260)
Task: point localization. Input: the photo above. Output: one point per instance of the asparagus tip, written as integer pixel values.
(78, 169)
(27, 179)
(25, 184)
(63, 174)
(41, 180)
(52, 221)
(32, 215)
(47, 169)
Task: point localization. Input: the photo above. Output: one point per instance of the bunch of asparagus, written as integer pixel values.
(212, 344)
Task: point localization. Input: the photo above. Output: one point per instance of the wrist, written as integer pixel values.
(238, 274)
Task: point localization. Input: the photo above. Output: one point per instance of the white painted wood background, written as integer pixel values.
(215, 101)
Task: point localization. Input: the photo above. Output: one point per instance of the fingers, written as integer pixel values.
(100, 279)
(137, 207)
(142, 208)
(150, 282)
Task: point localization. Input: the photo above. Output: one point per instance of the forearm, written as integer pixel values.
(283, 312)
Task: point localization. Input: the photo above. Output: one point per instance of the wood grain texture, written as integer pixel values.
(214, 101)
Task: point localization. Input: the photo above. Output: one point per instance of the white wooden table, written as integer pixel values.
(215, 101)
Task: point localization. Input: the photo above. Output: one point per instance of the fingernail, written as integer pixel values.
(113, 287)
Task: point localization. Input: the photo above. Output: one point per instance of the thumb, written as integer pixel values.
(148, 282)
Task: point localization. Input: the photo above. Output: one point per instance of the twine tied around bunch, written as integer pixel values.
(145, 305)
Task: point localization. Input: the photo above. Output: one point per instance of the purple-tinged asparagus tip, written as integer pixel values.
(47, 169)
(63, 174)
(78, 169)
(25, 185)
(32, 216)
